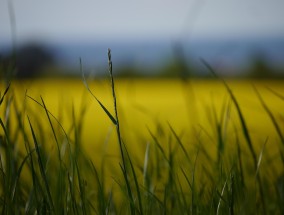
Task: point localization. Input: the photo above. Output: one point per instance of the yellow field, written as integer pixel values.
(143, 105)
(149, 110)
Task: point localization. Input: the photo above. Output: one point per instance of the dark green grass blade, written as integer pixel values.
(276, 93)
(187, 179)
(52, 128)
(7, 168)
(154, 197)
(179, 142)
(116, 113)
(202, 129)
(101, 195)
(193, 205)
(65, 134)
(183, 203)
(16, 180)
(50, 115)
(72, 194)
(240, 163)
(5, 175)
(245, 132)
(271, 116)
(41, 167)
(5, 92)
(126, 194)
(116, 122)
(241, 117)
(171, 169)
(102, 106)
(129, 191)
(232, 194)
(60, 125)
(113, 90)
(135, 181)
(218, 125)
(5, 130)
(81, 189)
(35, 183)
(221, 197)
(260, 157)
(109, 203)
(158, 145)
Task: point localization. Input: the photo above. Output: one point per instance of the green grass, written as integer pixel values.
(52, 174)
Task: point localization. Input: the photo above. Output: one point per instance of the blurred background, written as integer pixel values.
(243, 38)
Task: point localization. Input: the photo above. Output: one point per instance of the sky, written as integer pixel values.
(134, 20)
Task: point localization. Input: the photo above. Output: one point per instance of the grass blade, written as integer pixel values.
(135, 181)
(5, 92)
(221, 197)
(40, 163)
(73, 200)
(158, 145)
(81, 189)
(88, 88)
(179, 142)
(49, 113)
(276, 93)
(260, 157)
(129, 191)
(123, 167)
(241, 117)
(186, 178)
(52, 128)
(272, 118)
(101, 195)
(16, 181)
(145, 167)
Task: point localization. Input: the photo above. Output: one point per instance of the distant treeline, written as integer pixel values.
(34, 60)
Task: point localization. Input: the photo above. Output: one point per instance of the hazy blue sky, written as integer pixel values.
(147, 19)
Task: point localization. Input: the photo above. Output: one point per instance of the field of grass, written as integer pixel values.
(138, 146)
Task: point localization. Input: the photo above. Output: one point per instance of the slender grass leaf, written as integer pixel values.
(73, 200)
(186, 178)
(49, 113)
(102, 106)
(16, 181)
(135, 181)
(145, 167)
(161, 204)
(52, 128)
(101, 195)
(241, 117)
(221, 195)
(129, 191)
(276, 93)
(179, 142)
(81, 189)
(41, 167)
(158, 145)
(5, 92)
(260, 157)
(272, 118)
